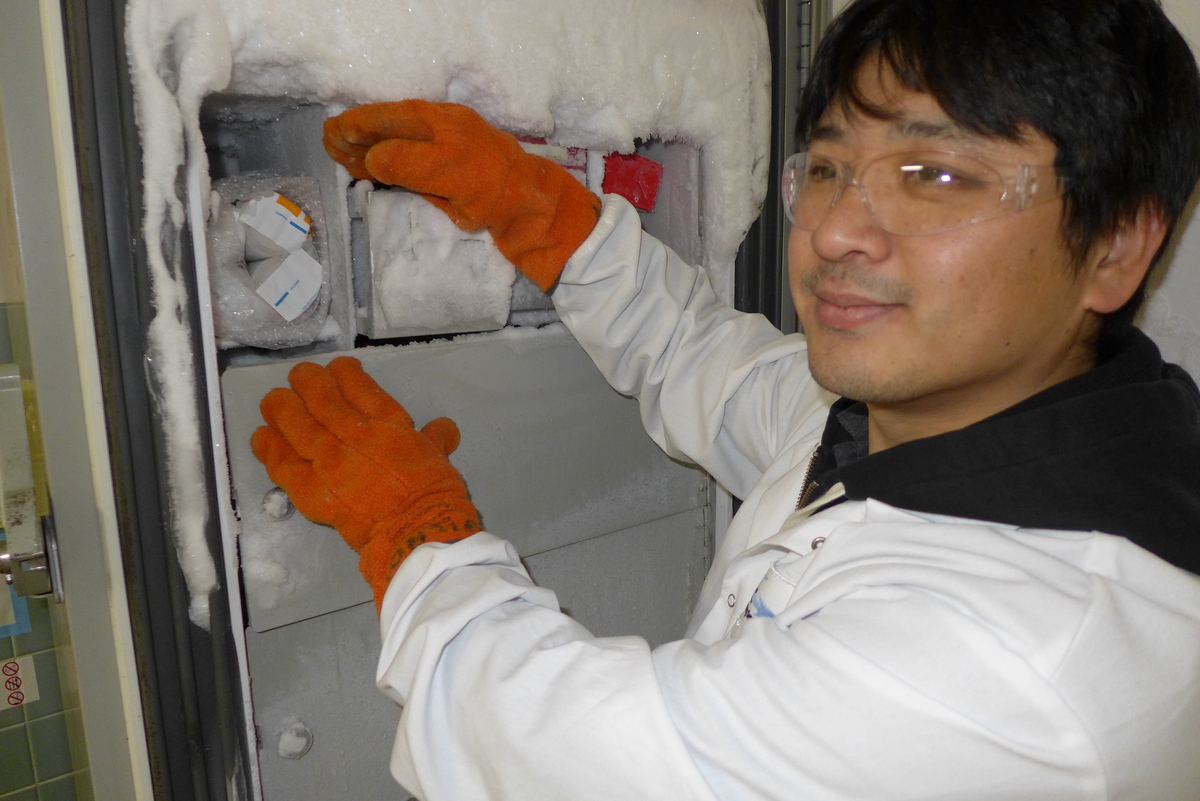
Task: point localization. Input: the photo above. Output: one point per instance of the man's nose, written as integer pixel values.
(849, 227)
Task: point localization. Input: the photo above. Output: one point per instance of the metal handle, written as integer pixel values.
(26, 563)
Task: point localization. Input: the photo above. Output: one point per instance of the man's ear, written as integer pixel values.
(1118, 262)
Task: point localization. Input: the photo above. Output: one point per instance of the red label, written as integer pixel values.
(634, 177)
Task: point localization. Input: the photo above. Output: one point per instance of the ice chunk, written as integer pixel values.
(295, 739)
(428, 276)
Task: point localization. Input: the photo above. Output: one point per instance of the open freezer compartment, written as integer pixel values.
(385, 256)
(556, 461)
(222, 106)
(551, 454)
(259, 147)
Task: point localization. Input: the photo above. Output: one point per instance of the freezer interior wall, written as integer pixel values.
(623, 534)
(231, 98)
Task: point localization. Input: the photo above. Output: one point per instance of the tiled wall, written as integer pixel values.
(41, 758)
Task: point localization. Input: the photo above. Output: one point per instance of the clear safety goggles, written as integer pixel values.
(914, 193)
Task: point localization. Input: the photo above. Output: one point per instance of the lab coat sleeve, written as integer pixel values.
(716, 386)
(886, 692)
(505, 697)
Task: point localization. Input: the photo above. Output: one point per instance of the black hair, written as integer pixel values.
(1111, 83)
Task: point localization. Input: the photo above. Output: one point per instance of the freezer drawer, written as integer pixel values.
(314, 680)
(551, 455)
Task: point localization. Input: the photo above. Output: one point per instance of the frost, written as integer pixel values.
(178, 52)
(427, 272)
(599, 74)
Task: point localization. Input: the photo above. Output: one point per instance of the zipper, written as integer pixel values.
(809, 487)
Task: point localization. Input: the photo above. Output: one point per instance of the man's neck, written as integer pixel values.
(894, 424)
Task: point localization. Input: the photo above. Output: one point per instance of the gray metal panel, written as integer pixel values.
(320, 672)
(551, 455)
(675, 220)
(643, 580)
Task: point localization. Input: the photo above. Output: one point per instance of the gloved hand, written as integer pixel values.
(537, 213)
(348, 456)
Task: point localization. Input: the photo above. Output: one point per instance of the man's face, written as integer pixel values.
(935, 331)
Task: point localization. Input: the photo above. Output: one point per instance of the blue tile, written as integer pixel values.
(16, 766)
(51, 746)
(49, 692)
(10, 715)
(60, 789)
(42, 635)
(28, 794)
(20, 608)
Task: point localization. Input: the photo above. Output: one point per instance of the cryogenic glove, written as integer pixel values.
(348, 456)
(537, 213)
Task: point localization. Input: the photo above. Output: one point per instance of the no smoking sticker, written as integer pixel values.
(20, 681)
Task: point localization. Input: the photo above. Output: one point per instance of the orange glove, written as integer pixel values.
(348, 456)
(537, 213)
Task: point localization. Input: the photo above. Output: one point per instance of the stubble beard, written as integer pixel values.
(860, 383)
(856, 379)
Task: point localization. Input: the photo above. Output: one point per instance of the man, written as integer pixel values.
(973, 577)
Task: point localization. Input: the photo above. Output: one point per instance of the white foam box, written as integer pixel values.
(282, 136)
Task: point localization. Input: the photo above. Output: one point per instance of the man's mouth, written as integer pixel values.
(849, 296)
(847, 310)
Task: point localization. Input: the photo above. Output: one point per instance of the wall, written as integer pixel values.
(98, 670)
(1185, 14)
(41, 754)
(12, 287)
(1173, 317)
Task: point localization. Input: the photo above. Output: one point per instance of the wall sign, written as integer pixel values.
(18, 681)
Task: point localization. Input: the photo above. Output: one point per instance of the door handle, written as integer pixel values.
(26, 562)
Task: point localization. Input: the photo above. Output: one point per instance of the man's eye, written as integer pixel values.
(932, 176)
(927, 174)
(820, 173)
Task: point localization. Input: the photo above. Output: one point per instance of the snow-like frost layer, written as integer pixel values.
(598, 74)
(418, 254)
(178, 53)
(590, 73)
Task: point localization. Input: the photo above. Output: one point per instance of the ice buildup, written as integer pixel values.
(426, 272)
(595, 74)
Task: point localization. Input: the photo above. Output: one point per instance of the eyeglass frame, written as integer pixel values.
(1026, 187)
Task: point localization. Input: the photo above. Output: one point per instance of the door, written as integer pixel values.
(70, 727)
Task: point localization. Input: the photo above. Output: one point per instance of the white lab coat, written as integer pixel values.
(911, 656)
